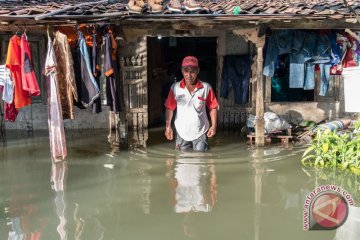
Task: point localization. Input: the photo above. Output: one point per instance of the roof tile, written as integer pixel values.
(94, 8)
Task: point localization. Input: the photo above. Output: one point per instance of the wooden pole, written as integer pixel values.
(259, 109)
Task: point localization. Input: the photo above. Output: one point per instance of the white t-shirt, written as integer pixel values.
(191, 120)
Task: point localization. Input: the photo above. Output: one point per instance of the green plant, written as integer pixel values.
(331, 149)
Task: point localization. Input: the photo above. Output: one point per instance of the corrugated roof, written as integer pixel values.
(114, 8)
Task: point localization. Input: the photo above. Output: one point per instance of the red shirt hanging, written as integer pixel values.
(28, 77)
(13, 62)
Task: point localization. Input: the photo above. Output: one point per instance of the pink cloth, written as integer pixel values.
(55, 119)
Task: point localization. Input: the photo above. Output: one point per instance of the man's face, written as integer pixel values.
(190, 74)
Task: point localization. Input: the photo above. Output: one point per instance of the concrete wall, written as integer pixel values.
(314, 111)
(35, 117)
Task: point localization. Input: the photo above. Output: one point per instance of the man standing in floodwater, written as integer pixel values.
(190, 97)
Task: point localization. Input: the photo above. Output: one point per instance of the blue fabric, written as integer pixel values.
(85, 54)
(297, 69)
(309, 83)
(335, 49)
(323, 49)
(89, 87)
(316, 50)
(297, 41)
(236, 75)
(278, 43)
(283, 40)
(310, 49)
(302, 74)
(325, 78)
(306, 50)
(321, 55)
(271, 56)
(297, 59)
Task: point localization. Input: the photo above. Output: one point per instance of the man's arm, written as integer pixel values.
(169, 134)
(213, 116)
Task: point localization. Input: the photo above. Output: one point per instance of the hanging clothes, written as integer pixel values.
(278, 43)
(28, 77)
(96, 72)
(65, 75)
(101, 61)
(236, 75)
(55, 116)
(77, 73)
(7, 82)
(88, 87)
(111, 73)
(13, 62)
(10, 112)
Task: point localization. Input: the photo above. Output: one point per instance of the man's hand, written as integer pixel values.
(169, 134)
(211, 132)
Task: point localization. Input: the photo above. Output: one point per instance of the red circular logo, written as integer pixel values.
(329, 210)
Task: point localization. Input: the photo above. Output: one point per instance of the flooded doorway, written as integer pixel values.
(165, 55)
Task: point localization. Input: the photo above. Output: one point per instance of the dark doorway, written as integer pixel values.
(164, 68)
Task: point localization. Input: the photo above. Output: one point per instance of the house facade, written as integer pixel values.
(152, 44)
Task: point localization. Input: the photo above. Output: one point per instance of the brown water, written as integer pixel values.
(229, 192)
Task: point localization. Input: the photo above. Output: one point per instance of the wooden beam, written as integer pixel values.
(259, 109)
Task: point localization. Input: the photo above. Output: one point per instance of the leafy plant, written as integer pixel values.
(331, 149)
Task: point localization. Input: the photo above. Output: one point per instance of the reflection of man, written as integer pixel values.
(190, 97)
(194, 185)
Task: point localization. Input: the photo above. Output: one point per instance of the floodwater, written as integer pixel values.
(233, 191)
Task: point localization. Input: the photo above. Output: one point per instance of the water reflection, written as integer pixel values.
(279, 195)
(25, 218)
(193, 188)
(58, 180)
(102, 193)
(193, 182)
(137, 138)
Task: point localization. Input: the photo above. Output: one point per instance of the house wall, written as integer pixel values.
(231, 115)
(35, 116)
(322, 108)
(315, 111)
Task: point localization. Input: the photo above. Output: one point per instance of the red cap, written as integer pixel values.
(190, 61)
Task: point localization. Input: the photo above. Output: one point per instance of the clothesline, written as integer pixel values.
(331, 51)
(74, 76)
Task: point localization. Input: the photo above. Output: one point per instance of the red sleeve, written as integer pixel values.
(211, 101)
(170, 102)
(13, 55)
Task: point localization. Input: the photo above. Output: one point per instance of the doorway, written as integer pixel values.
(165, 55)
